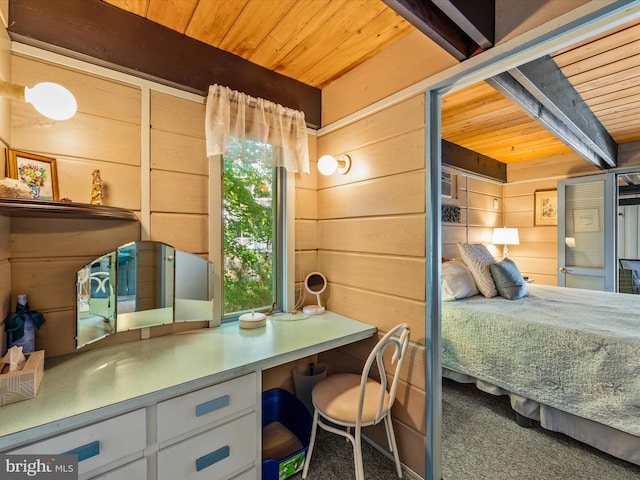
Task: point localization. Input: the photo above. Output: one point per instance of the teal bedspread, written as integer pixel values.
(575, 350)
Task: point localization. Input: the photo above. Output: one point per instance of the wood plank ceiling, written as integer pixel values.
(604, 70)
(317, 41)
(312, 41)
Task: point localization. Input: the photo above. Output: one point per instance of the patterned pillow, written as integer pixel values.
(478, 259)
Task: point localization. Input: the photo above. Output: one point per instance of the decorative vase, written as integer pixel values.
(35, 190)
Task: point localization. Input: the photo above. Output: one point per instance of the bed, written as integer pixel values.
(567, 358)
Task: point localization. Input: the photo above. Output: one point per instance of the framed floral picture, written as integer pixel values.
(37, 172)
(546, 207)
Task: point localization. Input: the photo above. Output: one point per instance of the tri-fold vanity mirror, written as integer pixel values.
(141, 284)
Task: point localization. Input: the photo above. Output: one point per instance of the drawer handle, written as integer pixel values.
(85, 451)
(211, 458)
(212, 405)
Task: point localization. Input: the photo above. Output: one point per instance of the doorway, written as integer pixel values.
(586, 233)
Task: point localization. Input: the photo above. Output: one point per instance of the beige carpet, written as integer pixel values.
(481, 441)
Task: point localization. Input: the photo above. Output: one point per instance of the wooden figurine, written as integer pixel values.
(96, 188)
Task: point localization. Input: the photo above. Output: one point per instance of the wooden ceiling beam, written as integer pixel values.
(543, 79)
(539, 88)
(435, 24)
(508, 86)
(465, 159)
(477, 19)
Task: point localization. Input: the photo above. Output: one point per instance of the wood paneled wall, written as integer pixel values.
(104, 134)
(408, 61)
(481, 210)
(306, 223)
(370, 241)
(179, 184)
(371, 247)
(537, 254)
(107, 133)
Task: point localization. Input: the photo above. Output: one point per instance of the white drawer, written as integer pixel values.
(213, 454)
(133, 471)
(192, 410)
(98, 444)
(248, 475)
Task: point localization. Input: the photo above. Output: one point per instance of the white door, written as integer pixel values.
(586, 232)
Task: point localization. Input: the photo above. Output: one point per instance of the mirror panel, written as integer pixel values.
(96, 300)
(142, 284)
(194, 288)
(145, 285)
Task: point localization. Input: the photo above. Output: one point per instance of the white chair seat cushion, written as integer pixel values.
(337, 397)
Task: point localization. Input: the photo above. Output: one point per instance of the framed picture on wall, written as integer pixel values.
(37, 172)
(546, 207)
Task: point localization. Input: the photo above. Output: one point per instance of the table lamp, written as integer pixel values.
(505, 236)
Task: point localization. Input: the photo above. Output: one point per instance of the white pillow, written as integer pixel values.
(478, 259)
(457, 281)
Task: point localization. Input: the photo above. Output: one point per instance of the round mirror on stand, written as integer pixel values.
(315, 284)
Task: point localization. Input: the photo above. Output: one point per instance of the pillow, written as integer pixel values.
(508, 279)
(630, 264)
(457, 281)
(478, 259)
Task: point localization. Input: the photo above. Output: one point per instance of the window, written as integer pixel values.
(448, 184)
(252, 229)
(257, 269)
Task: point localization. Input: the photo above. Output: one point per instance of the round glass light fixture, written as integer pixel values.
(51, 100)
(328, 164)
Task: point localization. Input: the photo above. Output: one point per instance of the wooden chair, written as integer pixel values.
(355, 400)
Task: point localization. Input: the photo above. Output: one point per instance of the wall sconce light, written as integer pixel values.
(50, 99)
(328, 164)
(505, 236)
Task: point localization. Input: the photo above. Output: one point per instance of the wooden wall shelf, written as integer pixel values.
(21, 207)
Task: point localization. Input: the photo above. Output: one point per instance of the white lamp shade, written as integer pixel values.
(51, 100)
(327, 164)
(505, 236)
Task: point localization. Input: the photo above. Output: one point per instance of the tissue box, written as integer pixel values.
(23, 384)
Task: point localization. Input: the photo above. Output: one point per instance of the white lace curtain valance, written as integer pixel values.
(234, 114)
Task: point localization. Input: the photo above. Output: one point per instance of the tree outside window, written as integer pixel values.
(249, 228)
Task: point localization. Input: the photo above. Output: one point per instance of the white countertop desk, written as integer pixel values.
(81, 388)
